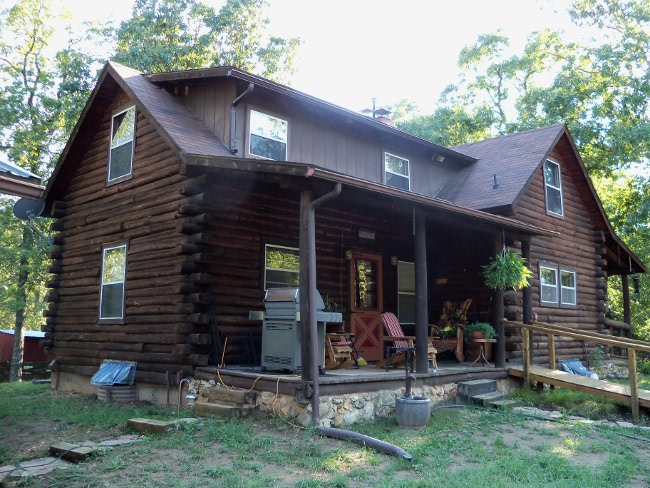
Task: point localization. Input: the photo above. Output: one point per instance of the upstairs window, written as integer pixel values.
(553, 186)
(120, 160)
(268, 136)
(111, 299)
(397, 171)
(282, 267)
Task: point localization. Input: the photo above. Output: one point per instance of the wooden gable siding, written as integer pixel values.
(314, 136)
(573, 248)
(141, 212)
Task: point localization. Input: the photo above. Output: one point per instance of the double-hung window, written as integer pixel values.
(406, 292)
(397, 171)
(281, 267)
(268, 136)
(553, 188)
(111, 299)
(120, 161)
(558, 286)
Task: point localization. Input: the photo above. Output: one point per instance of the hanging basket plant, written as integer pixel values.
(506, 271)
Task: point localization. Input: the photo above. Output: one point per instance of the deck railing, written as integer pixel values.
(631, 345)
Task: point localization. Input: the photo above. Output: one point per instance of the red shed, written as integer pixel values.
(33, 352)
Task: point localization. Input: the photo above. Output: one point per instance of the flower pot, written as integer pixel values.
(412, 412)
(477, 334)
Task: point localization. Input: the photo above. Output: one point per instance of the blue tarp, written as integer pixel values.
(114, 373)
(574, 366)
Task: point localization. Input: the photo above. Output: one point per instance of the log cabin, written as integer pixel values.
(181, 197)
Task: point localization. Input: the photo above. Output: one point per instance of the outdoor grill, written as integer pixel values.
(281, 329)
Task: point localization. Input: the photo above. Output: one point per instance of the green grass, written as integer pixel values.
(572, 402)
(459, 447)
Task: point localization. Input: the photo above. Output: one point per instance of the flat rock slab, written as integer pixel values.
(72, 452)
(123, 439)
(33, 468)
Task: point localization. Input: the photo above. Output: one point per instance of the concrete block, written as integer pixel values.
(486, 398)
(71, 452)
(148, 426)
(467, 389)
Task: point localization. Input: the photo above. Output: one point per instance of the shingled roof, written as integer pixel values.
(513, 158)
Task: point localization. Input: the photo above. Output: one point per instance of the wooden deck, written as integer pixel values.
(345, 381)
(581, 383)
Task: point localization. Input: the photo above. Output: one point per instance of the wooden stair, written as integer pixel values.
(226, 403)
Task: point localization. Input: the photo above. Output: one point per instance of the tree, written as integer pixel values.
(167, 35)
(39, 105)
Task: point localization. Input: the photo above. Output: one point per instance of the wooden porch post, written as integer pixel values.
(421, 295)
(527, 294)
(497, 318)
(305, 290)
(627, 316)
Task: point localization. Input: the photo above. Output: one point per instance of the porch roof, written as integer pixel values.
(311, 171)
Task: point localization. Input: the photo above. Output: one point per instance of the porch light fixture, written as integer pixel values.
(348, 254)
(637, 280)
(393, 259)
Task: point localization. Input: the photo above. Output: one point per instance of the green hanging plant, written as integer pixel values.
(506, 271)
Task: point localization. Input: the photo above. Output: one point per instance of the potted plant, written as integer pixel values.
(486, 331)
(506, 271)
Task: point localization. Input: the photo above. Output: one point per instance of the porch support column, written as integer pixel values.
(305, 292)
(421, 296)
(527, 293)
(497, 317)
(627, 316)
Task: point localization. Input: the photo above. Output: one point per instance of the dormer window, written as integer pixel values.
(397, 171)
(553, 186)
(120, 162)
(268, 136)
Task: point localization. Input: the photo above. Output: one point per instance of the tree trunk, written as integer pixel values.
(16, 371)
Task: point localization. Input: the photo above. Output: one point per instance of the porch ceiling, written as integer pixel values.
(383, 196)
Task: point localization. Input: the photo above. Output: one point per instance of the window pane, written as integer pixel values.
(366, 284)
(268, 136)
(406, 308)
(568, 287)
(548, 276)
(268, 148)
(114, 265)
(120, 161)
(123, 127)
(554, 200)
(568, 279)
(549, 294)
(406, 277)
(111, 307)
(282, 267)
(551, 174)
(568, 296)
(397, 181)
(397, 165)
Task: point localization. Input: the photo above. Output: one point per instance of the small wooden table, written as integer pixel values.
(481, 355)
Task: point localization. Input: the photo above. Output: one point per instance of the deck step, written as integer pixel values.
(212, 409)
(504, 404)
(485, 399)
(234, 396)
(468, 389)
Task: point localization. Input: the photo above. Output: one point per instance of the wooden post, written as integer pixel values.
(627, 316)
(305, 290)
(551, 351)
(634, 388)
(527, 292)
(497, 318)
(421, 293)
(526, 357)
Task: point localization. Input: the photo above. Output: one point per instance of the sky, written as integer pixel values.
(356, 50)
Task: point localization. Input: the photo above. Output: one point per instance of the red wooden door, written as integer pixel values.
(366, 304)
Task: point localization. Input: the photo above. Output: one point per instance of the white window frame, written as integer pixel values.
(111, 148)
(386, 170)
(548, 187)
(543, 285)
(249, 133)
(103, 283)
(559, 287)
(266, 268)
(400, 292)
(574, 288)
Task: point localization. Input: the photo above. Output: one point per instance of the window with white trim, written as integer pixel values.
(558, 286)
(553, 188)
(281, 267)
(268, 136)
(406, 292)
(397, 171)
(120, 160)
(111, 297)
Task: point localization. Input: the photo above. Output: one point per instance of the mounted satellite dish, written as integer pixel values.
(27, 210)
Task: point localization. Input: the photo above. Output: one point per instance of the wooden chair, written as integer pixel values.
(397, 337)
(338, 350)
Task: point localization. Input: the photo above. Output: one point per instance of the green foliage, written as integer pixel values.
(167, 35)
(506, 271)
(572, 402)
(486, 329)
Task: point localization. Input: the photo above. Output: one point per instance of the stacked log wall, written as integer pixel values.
(144, 212)
(574, 248)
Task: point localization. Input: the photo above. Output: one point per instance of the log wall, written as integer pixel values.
(576, 247)
(158, 331)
